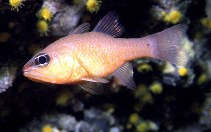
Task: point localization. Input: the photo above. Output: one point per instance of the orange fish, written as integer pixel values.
(84, 56)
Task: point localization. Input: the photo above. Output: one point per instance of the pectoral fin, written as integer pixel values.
(99, 80)
(125, 75)
(93, 87)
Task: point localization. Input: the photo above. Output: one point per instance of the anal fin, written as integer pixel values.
(125, 75)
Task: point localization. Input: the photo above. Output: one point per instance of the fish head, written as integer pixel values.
(46, 67)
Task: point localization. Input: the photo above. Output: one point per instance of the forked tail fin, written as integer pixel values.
(167, 45)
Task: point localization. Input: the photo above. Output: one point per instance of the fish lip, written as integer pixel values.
(28, 66)
(34, 76)
(25, 69)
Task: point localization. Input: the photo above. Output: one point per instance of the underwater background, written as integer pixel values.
(167, 98)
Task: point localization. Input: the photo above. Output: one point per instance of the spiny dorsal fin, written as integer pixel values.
(125, 75)
(110, 25)
(84, 27)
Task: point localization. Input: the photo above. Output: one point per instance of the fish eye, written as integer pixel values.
(42, 59)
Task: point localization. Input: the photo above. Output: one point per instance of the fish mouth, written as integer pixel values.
(27, 72)
(31, 73)
(29, 66)
(26, 68)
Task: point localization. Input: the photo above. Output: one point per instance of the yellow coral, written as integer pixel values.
(42, 27)
(183, 71)
(47, 128)
(206, 22)
(45, 14)
(173, 16)
(146, 126)
(110, 108)
(141, 90)
(168, 68)
(129, 126)
(134, 118)
(156, 88)
(93, 5)
(63, 98)
(142, 127)
(202, 79)
(147, 98)
(16, 4)
(144, 68)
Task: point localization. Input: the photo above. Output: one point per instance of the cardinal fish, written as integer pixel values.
(91, 57)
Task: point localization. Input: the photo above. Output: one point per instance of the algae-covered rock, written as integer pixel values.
(7, 76)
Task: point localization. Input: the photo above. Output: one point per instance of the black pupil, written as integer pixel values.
(42, 59)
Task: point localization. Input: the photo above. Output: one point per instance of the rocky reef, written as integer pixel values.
(167, 98)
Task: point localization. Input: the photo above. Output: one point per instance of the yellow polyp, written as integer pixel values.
(129, 126)
(163, 13)
(110, 108)
(47, 128)
(141, 90)
(134, 118)
(142, 127)
(206, 22)
(144, 68)
(15, 4)
(63, 98)
(183, 71)
(42, 27)
(147, 98)
(168, 68)
(156, 88)
(45, 14)
(173, 16)
(93, 5)
(202, 79)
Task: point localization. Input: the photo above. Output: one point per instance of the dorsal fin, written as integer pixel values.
(84, 27)
(110, 25)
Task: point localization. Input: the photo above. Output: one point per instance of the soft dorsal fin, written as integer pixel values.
(125, 75)
(110, 25)
(84, 27)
